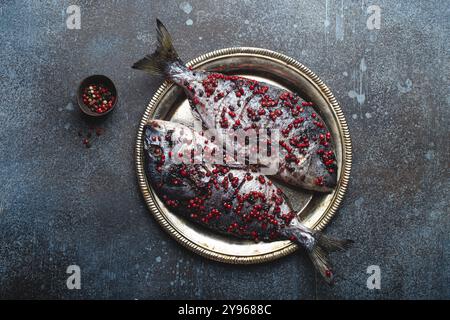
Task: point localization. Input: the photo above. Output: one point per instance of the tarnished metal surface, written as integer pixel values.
(63, 204)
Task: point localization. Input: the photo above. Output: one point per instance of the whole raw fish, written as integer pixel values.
(306, 152)
(237, 203)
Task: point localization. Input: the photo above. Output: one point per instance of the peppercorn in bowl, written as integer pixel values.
(97, 95)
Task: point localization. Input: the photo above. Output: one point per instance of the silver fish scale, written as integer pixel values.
(231, 102)
(178, 184)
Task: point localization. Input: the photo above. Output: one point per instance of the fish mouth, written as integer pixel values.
(326, 188)
(156, 124)
(152, 134)
(328, 184)
(157, 128)
(322, 182)
(161, 126)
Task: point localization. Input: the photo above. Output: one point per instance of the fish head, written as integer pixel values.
(154, 142)
(165, 137)
(161, 140)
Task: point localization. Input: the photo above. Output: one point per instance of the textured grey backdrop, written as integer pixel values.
(63, 204)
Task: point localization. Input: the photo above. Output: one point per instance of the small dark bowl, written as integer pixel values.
(96, 79)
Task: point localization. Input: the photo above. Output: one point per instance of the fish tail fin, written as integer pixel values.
(164, 55)
(319, 254)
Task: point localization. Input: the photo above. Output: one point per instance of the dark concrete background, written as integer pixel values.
(63, 204)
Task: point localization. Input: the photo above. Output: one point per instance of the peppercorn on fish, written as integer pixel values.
(306, 156)
(234, 202)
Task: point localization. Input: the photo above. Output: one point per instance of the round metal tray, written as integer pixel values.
(315, 210)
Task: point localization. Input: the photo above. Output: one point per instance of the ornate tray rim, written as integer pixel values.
(346, 155)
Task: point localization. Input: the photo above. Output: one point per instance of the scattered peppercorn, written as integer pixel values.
(88, 136)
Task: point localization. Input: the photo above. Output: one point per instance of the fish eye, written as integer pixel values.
(156, 150)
